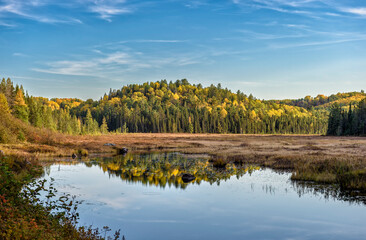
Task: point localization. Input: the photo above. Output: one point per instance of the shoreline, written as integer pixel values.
(322, 159)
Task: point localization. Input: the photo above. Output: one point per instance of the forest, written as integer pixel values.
(324, 102)
(181, 107)
(351, 121)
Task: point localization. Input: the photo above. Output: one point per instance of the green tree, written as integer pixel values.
(104, 126)
(20, 107)
(124, 128)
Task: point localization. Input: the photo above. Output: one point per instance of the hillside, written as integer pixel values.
(174, 107)
(14, 130)
(182, 107)
(164, 107)
(326, 102)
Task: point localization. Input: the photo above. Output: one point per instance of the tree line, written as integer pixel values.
(42, 113)
(179, 106)
(344, 122)
(162, 106)
(322, 101)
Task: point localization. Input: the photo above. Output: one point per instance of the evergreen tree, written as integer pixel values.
(104, 126)
(335, 119)
(124, 128)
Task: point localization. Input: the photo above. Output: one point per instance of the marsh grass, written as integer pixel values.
(81, 152)
(310, 157)
(219, 162)
(349, 173)
(312, 147)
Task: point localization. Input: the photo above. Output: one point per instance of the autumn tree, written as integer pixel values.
(20, 108)
(4, 107)
(104, 126)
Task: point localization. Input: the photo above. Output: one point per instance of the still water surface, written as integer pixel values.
(145, 197)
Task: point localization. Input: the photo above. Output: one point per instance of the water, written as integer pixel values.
(145, 197)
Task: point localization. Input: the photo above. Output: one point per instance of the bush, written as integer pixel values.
(352, 180)
(4, 138)
(219, 163)
(23, 215)
(82, 152)
(21, 136)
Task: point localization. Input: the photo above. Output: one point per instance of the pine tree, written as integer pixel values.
(35, 113)
(124, 128)
(9, 92)
(90, 123)
(335, 119)
(104, 126)
(190, 125)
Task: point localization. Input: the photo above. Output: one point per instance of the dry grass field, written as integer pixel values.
(223, 145)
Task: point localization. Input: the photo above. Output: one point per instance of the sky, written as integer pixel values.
(274, 49)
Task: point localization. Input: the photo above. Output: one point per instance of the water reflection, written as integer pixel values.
(165, 169)
(329, 192)
(143, 196)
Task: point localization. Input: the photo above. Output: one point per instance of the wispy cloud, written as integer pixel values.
(119, 44)
(159, 41)
(25, 9)
(282, 6)
(318, 43)
(332, 14)
(116, 63)
(297, 26)
(195, 3)
(34, 10)
(37, 79)
(310, 8)
(106, 10)
(268, 36)
(357, 11)
(6, 24)
(97, 66)
(17, 54)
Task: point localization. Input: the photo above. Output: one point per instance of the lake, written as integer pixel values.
(145, 196)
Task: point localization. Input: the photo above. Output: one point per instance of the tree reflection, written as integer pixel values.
(166, 169)
(329, 192)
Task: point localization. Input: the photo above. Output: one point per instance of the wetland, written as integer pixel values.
(143, 194)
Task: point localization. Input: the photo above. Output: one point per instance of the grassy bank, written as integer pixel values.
(23, 215)
(348, 172)
(316, 158)
(330, 160)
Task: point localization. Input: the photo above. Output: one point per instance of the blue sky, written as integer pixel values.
(273, 49)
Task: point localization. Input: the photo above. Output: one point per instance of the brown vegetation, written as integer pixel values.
(229, 146)
(311, 157)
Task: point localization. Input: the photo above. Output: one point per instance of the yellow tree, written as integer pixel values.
(20, 108)
(4, 107)
(104, 126)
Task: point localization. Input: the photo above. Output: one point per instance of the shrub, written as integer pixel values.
(21, 136)
(82, 152)
(219, 163)
(352, 180)
(4, 138)
(23, 215)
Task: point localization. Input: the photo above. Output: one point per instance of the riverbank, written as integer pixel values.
(322, 159)
(23, 213)
(316, 158)
(215, 144)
